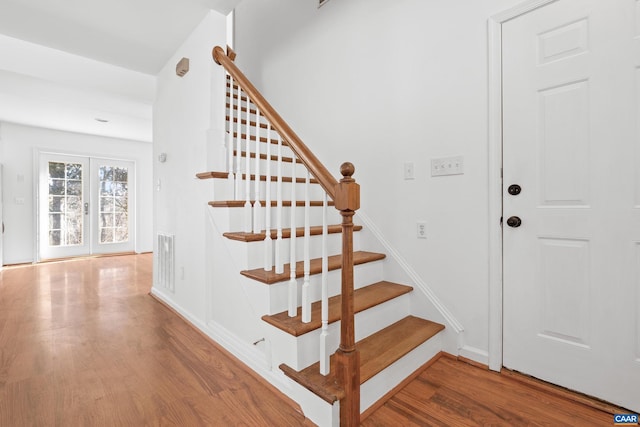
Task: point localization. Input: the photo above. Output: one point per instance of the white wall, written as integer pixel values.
(384, 83)
(18, 144)
(184, 128)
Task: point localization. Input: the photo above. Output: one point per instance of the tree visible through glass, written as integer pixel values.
(65, 204)
(114, 204)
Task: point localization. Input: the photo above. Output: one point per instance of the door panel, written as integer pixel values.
(564, 144)
(114, 213)
(564, 267)
(64, 191)
(570, 126)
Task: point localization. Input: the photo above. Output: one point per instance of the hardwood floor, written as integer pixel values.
(83, 344)
(454, 393)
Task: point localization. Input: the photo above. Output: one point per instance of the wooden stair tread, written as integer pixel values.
(225, 175)
(285, 203)
(392, 343)
(335, 262)
(364, 298)
(286, 233)
(377, 352)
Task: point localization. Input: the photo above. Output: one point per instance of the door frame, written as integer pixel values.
(37, 153)
(496, 283)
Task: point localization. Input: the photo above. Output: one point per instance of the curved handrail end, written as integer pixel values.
(216, 53)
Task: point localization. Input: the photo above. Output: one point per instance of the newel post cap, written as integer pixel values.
(347, 190)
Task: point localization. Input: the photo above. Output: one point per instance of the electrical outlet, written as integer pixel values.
(409, 171)
(422, 230)
(447, 166)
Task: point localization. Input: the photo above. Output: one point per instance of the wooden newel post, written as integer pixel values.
(347, 358)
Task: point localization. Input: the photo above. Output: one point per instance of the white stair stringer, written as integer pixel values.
(425, 302)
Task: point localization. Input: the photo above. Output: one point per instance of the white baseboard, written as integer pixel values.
(475, 354)
(247, 353)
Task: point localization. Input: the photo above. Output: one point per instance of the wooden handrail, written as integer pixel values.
(317, 169)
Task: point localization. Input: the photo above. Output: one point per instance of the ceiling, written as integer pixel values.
(67, 63)
(135, 34)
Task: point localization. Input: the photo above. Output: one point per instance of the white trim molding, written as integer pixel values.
(474, 354)
(410, 271)
(494, 31)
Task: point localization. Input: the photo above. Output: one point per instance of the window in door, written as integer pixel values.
(65, 203)
(114, 204)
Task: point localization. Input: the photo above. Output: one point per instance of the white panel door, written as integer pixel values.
(572, 262)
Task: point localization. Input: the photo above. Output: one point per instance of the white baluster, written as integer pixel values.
(279, 243)
(257, 214)
(293, 283)
(268, 242)
(230, 138)
(247, 180)
(306, 298)
(238, 177)
(324, 335)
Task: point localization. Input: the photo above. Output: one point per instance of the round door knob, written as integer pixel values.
(514, 189)
(514, 221)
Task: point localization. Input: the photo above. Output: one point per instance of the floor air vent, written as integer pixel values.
(166, 261)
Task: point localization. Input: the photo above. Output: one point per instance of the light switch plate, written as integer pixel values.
(409, 171)
(447, 166)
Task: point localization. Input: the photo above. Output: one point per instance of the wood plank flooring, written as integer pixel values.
(454, 393)
(83, 344)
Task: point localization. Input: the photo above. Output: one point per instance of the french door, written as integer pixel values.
(85, 206)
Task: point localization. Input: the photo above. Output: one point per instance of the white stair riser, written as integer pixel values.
(255, 250)
(232, 219)
(287, 167)
(303, 351)
(374, 389)
(223, 190)
(278, 293)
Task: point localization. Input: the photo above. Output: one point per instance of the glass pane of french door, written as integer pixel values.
(85, 206)
(114, 211)
(64, 191)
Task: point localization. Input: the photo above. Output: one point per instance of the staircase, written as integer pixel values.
(327, 292)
